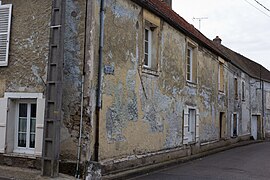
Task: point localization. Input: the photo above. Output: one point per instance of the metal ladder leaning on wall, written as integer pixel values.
(53, 104)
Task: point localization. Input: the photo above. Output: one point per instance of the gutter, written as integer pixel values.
(100, 72)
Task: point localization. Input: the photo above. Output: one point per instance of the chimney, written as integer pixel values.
(168, 2)
(217, 40)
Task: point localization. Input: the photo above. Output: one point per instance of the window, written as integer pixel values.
(243, 91)
(147, 47)
(190, 125)
(221, 77)
(5, 21)
(189, 63)
(21, 123)
(151, 31)
(25, 126)
(234, 125)
(235, 88)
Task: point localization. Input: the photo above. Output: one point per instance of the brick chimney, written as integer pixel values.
(168, 2)
(217, 40)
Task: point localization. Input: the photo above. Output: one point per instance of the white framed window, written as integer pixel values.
(5, 23)
(147, 47)
(25, 126)
(189, 63)
(21, 123)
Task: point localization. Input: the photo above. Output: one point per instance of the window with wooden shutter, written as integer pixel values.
(5, 22)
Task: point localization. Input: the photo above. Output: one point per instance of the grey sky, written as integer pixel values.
(241, 27)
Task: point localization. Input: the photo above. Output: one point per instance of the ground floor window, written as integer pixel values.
(26, 125)
(21, 123)
(191, 125)
(234, 125)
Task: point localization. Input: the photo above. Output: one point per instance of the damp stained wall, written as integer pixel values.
(28, 57)
(28, 53)
(143, 112)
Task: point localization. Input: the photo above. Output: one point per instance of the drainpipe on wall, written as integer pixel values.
(100, 72)
(262, 89)
(77, 174)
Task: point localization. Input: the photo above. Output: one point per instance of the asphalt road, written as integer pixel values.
(250, 162)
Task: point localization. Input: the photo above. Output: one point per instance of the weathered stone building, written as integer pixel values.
(141, 87)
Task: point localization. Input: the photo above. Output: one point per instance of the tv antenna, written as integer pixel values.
(199, 19)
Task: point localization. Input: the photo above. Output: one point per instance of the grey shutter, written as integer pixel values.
(5, 21)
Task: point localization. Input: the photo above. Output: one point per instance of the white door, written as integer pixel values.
(254, 127)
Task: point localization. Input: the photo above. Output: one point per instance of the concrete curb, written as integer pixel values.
(141, 171)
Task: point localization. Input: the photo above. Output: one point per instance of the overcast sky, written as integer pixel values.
(241, 26)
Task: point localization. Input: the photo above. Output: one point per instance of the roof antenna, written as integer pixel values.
(199, 19)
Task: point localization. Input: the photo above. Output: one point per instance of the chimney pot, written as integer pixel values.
(217, 40)
(168, 2)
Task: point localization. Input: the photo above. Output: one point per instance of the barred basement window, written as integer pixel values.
(5, 22)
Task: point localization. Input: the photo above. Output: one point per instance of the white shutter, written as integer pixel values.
(197, 125)
(3, 121)
(5, 22)
(232, 126)
(39, 126)
(185, 133)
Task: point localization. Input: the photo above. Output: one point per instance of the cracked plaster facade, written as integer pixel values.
(142, 114)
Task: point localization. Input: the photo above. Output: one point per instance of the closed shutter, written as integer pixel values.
(5, 21)
(3, 122)
(186, 127)
(197, 125)
(232, 126)
(39, 126)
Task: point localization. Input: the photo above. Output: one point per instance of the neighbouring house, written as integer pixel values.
(99, 87)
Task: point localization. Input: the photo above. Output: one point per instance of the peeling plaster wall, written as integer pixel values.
(267, 109)
(73, 70)
(239, 106)
(28, 53)
(143, 113)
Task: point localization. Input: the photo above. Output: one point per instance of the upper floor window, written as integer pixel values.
(151, 31)
(191, 62)
(221, 77)
(147, 47)
(235, 88)
(243, 91)
(5, 21)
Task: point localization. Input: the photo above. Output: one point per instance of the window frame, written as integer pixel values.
(236, 95)
(192, 47)
(17, 148)
(150, 46)
(190, 64)
(221, 87)
(243, 86)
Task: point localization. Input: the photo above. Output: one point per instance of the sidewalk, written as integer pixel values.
(15, 173)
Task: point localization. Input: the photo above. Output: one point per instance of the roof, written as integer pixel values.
(164, 11)
(250, 67)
